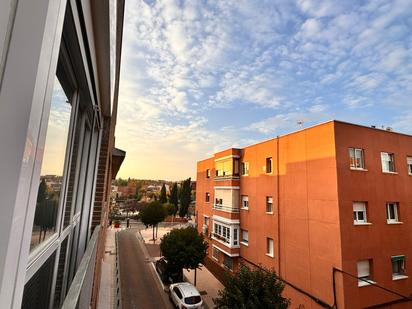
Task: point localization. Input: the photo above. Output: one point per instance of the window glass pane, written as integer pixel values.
(50, 184)
(37, 290)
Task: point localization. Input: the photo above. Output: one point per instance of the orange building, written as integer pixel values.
(328, 207)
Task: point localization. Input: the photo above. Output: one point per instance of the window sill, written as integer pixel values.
(394, 222)
(358, 169)
(244, 175)
(362, 223)
(399, 277)
(364, 283)
(244, 243)
(390, 173)
(270, 255)
(269, 212)
(244, 208)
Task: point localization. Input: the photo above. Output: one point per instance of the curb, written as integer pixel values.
(118, 302)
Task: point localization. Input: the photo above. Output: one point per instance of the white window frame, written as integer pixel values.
(244, 240)
(395, 219)
(364, 272)
(360, 207)
(269, 201)
(409, 164)
(401, 275)
(386, 159)
(270, 247)
(358, 154)
(245, 169)
(244, 198)
(226, 233)
(215, 253)
(270, 159)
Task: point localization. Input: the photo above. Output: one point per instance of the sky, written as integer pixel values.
(57, 132)
(199, 77)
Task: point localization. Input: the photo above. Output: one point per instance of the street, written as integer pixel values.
(140, 287)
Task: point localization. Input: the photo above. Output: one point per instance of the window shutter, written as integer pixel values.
(398, 258)
(363, 268)
(358, 206)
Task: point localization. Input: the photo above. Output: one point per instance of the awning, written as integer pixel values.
(118, 156)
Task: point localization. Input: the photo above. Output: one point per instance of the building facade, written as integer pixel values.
(59, 81)
(328, 208)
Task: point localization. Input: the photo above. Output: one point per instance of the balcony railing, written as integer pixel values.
(225, 208)
(80, 292)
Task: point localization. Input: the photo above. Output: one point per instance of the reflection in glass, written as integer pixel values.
(52, 167)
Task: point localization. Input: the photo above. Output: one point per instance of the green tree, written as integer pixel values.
(185, 197)
(163, 197)
(257, 288)
(170, 209)
(174, 198)
(152, 215)
(183, 248)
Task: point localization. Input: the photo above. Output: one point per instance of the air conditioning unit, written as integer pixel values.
(204, 229)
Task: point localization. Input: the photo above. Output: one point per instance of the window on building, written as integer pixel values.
(228, 262)
(356, 158)
(398, 266)
(215, 253)
(269, 165)
(269, 246)
(269, 204)
(222, 232)
(235, 237)
(388, 162)
(207, 197)
(359, 212)
(364, 272)
(52, 169)
(208, 173)
(206, 221)
(245, 236)
(392, 212)
(245, 168)
(409, 162)
(245, 202)
(236, 167)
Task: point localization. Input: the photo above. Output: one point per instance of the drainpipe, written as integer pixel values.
(278, 200)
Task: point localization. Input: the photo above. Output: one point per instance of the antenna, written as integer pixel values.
(300, 124)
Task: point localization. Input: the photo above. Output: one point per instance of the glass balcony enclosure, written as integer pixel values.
(227, 167)
(226, 199)
(226, 232)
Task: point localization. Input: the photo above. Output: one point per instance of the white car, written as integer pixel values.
(185, 295)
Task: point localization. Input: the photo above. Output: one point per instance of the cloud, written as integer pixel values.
(199, 77)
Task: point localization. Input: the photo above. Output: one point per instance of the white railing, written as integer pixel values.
(226, 208)
(80, 292)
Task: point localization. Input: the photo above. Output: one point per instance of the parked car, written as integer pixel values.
(165, 274)
(185, 296)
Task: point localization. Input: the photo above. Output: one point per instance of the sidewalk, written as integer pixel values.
(107, 289)
(207, 285)
(147, 233)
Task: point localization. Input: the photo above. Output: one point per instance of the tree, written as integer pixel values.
(174, 198)
(183, 249)
(185, 197)
(257, 288)
(163, 197)
(152, 215)
(170, 208)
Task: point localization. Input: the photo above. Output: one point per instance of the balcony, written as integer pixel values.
(80, 292)
(226, 208)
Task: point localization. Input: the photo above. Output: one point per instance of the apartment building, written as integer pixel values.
(329, 208)
(59, 81)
